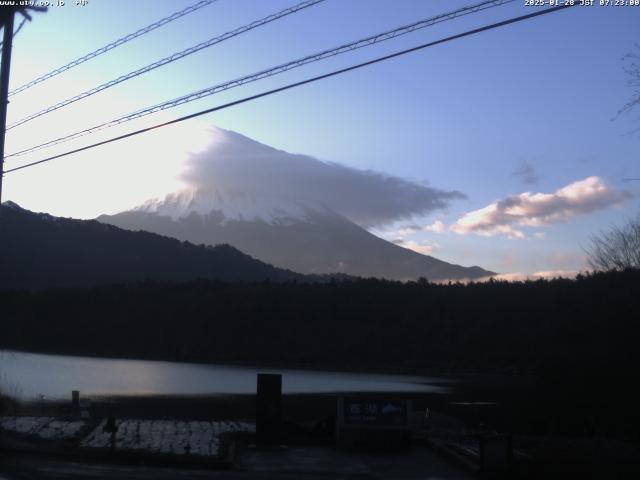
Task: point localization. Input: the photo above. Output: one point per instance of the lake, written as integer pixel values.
(34, 375)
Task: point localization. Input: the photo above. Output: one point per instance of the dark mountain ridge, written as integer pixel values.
(38, 251)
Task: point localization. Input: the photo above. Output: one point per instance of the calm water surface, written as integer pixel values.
(32, 375)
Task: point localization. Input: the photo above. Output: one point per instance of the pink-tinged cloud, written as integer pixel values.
(408, 230)
(423, 248)
(521, 277)
(504, 217)
(437, 227)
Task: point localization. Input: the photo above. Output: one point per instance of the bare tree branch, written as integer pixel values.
(616, 249)
(631, 66)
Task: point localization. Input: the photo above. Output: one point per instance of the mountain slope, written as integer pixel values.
(40, 251)
(294, 211)
(309, 241)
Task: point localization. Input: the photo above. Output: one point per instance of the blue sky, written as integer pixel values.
(462, 116)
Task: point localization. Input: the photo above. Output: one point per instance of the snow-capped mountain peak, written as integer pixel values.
(228, 205)
(294, 211)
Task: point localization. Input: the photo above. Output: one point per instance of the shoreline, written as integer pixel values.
(442, 373)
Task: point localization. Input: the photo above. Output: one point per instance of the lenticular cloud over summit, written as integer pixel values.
(236, 166)
(295, 212)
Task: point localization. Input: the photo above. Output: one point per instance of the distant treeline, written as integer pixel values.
(580, 338)
(362, 323)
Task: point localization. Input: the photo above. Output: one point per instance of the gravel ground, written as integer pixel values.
(198, 438)
(164, 437)
(45, 428)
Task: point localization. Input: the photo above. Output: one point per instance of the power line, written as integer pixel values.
(114, 44)
(365, 42)
(298, 84)
(170, 59)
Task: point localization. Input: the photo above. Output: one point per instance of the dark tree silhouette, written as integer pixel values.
(616, 249)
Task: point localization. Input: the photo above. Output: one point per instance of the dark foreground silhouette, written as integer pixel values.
(577, 340)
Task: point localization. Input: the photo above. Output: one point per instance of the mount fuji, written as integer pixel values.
(294, 212)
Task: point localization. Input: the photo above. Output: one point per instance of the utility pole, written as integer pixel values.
(7, 15)
(4, 87)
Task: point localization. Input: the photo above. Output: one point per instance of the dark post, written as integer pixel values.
(496, 455)
(111, 427)
(4, 87)
(75, 402)
(269, 409)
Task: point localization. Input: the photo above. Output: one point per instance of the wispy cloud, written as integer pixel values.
(436, 227)
(420, 247)
(504, 217)
(527, 173)
(237, 164)
(405, 231)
